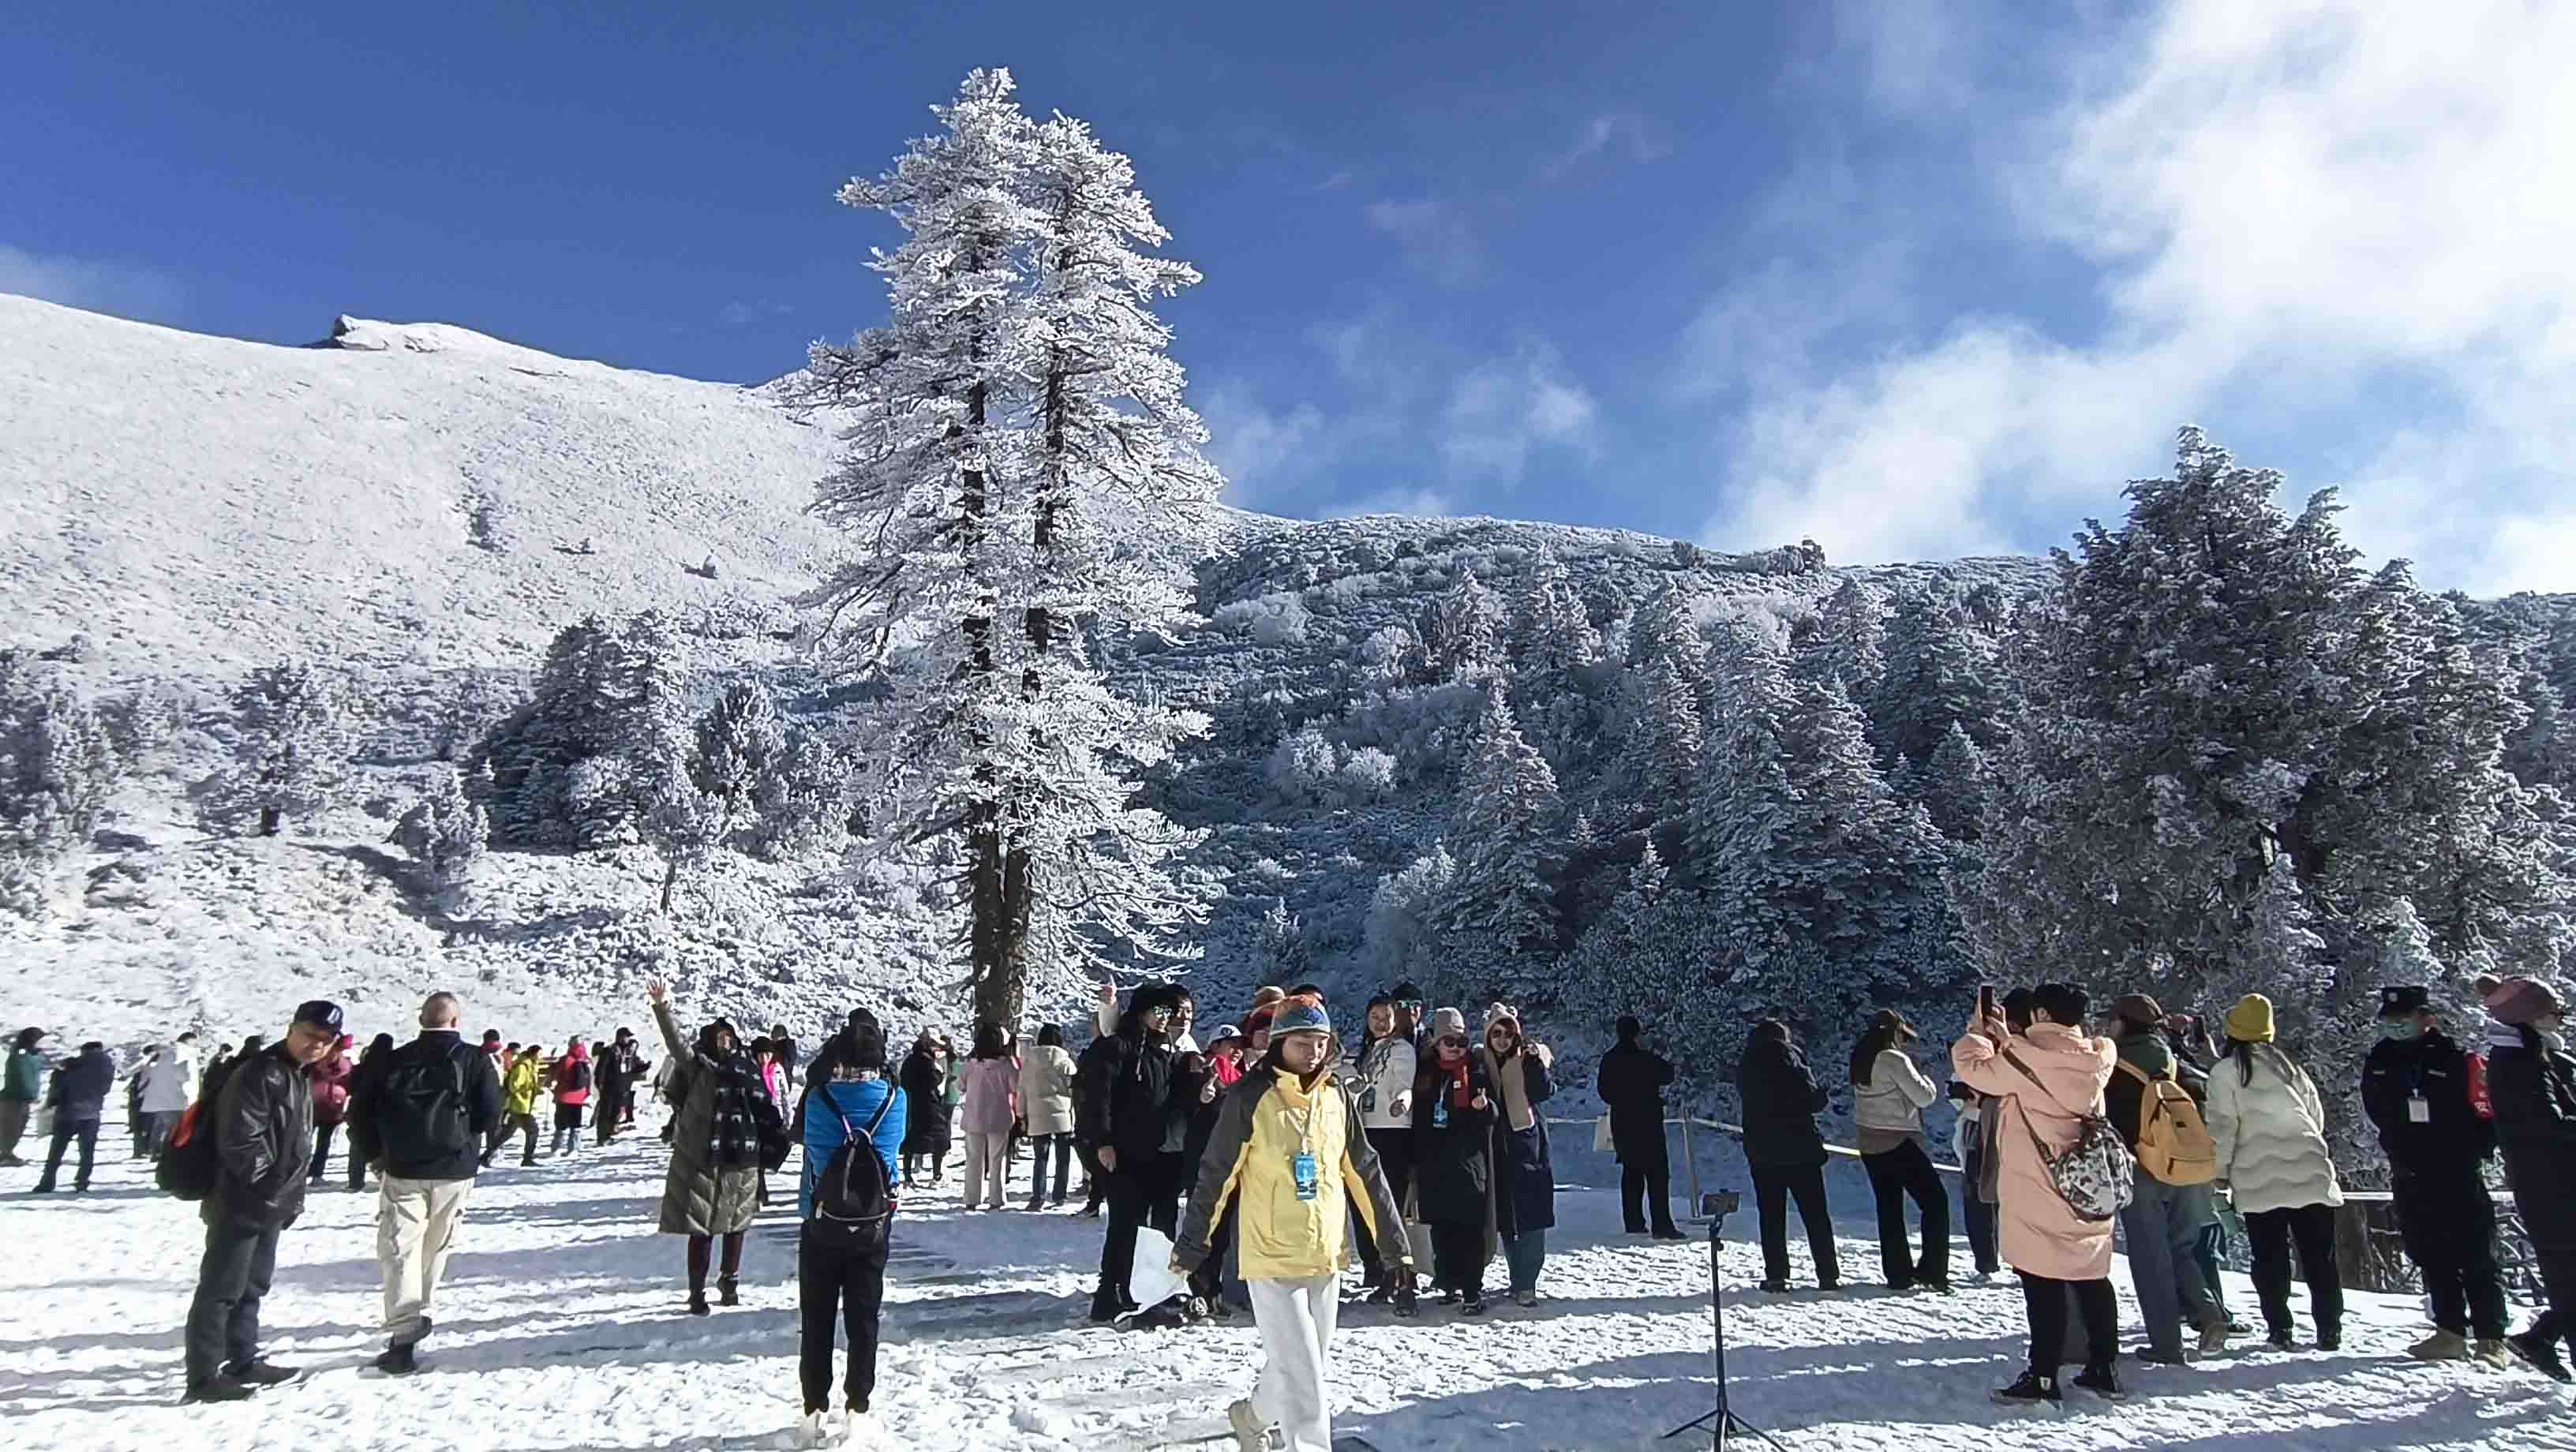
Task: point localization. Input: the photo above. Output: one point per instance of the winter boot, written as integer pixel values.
(2033, 1390)
(2492, 1354)
(1475, 1304)
(728, 1293)
(217, 1388)
(2441, 1346)
(262, 1373)
(398, 1360)
(1250, 1433)
(2102, 1382)
(2330, 1338)
(815, 1429)
(2540, 1355)
(2213, 1338)
(698, 1303)
(1775, 1288)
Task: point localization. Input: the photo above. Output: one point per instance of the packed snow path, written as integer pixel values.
(560, 1327)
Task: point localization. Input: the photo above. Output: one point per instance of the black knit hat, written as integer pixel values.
(2404, 1000)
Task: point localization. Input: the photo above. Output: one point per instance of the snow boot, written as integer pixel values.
(1775, 1288)
(2102, 1382)
(815, 1429)
(2330, 1338)
(2491, 1354)
(2541, 1356)
(217, 1388)
(262, 1373)
(1251, 1434)
(698, 1303)
(398, 1360)
(2213, 1338)
(1475, 1304)
(728, 1293)
(2033, 1390)
(2441, 1346)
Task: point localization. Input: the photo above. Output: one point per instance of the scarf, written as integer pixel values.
(1513, 1078)
(739, 1109)
(1462, 1094)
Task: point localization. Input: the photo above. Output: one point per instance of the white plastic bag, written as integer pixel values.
(1152, 1281)
(1601, 1134)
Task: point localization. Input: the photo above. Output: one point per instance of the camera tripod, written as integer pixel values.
(1721, 1421)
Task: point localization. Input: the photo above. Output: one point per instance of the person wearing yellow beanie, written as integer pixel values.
(2250, 1021)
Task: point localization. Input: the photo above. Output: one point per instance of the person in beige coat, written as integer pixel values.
(2047, 1082)
(2270, 1127)
(1046, 1104)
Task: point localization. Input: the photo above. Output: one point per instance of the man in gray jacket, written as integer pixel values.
(263, 1127)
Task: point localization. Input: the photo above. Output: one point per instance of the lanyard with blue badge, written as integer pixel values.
(1301, 1166)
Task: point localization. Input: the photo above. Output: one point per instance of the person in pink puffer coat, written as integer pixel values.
(2054, 1250)
(992, 1085)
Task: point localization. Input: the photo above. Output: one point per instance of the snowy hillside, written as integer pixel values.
(407, 492)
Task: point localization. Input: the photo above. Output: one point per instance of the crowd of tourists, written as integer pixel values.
(1267, 1157)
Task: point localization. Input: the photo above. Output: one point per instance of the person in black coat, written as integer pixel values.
(2415, 1087)
(1631, 1082)
(261, 1116)
(1091, 1071)
(1139, 1124)
(1786, 1152)
(1453, 1160)
(79, 1099)
(928, 1131)
(2531, 1080)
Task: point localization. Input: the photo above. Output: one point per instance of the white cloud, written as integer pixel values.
(744, 314)
(2284, 205)
(1621, 133)
(100, 287)
(1424, 503)
(1499, 412)
(1434, 234)
(1258, 446)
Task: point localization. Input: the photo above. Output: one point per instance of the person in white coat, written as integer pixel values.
(1383, 1074)
(1889, 1095)
(169, 1087)
(1046, 1106)
(2270, 1127)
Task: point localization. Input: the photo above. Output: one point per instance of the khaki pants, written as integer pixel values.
(417, 1222)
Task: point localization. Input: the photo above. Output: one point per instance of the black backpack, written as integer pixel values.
(188, 1167)
(853, 1204)
(419, 1110)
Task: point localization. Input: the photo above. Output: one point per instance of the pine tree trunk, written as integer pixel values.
(270, 819)
(670, 879)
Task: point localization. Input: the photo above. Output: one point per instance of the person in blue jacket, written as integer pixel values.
(838, 1274)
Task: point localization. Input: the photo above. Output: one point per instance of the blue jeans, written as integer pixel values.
(2163, 1229)
(1526, 1253)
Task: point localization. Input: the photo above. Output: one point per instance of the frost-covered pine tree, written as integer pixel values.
(1848, 640)
(290, 750)
(1954, 784)
(1023, 476)
(1500, 914)
(1402, 934)
(473, 705)
(444, 831)
(1818, 853)
(58, 766)
(1285, 958)
(1938, 670)
(738, 751)
(1742, 758)
(680, 823)
(1552, 635)
(1463, 630)
(805, 799)
(1666, 629)
(1664, 751)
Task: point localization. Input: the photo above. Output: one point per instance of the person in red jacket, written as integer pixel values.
(572, 1091)
(330, 1081)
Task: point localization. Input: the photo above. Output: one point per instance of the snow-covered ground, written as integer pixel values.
(559, 1328)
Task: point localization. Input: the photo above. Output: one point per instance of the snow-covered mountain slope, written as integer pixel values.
(410, 492)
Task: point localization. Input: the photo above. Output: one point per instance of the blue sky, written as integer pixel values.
(1914, 280)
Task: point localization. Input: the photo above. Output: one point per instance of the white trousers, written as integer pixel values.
(1295, 1319)
(988, 1159)
(416, 1226)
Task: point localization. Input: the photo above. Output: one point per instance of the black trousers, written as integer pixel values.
(2046, 1302)
(2311, 1228)
(322, 1133)
(223, 1320)
(847, 1283)
(1643, 1186)
(1395, 1155)
(1772, 1190)
(1458, 1257)
(1143, 1190)
(1980, 1215)
(1208, 1281)
(611, 1103)
(65, 1131)
(2448, 1223)
(1896, 1176)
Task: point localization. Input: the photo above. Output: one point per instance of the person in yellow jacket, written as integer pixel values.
(519, 1089)
(1288, 1149)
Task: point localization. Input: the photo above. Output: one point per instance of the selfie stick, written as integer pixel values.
(1720, 1420)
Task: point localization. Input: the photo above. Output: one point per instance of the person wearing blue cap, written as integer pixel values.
(1289, 1150)
(262, 1121)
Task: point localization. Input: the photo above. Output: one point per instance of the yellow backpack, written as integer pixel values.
(2174, 1146)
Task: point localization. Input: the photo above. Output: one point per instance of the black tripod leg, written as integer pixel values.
(1721, 1420)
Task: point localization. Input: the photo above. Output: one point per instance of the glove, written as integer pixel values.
(1406, 1304)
